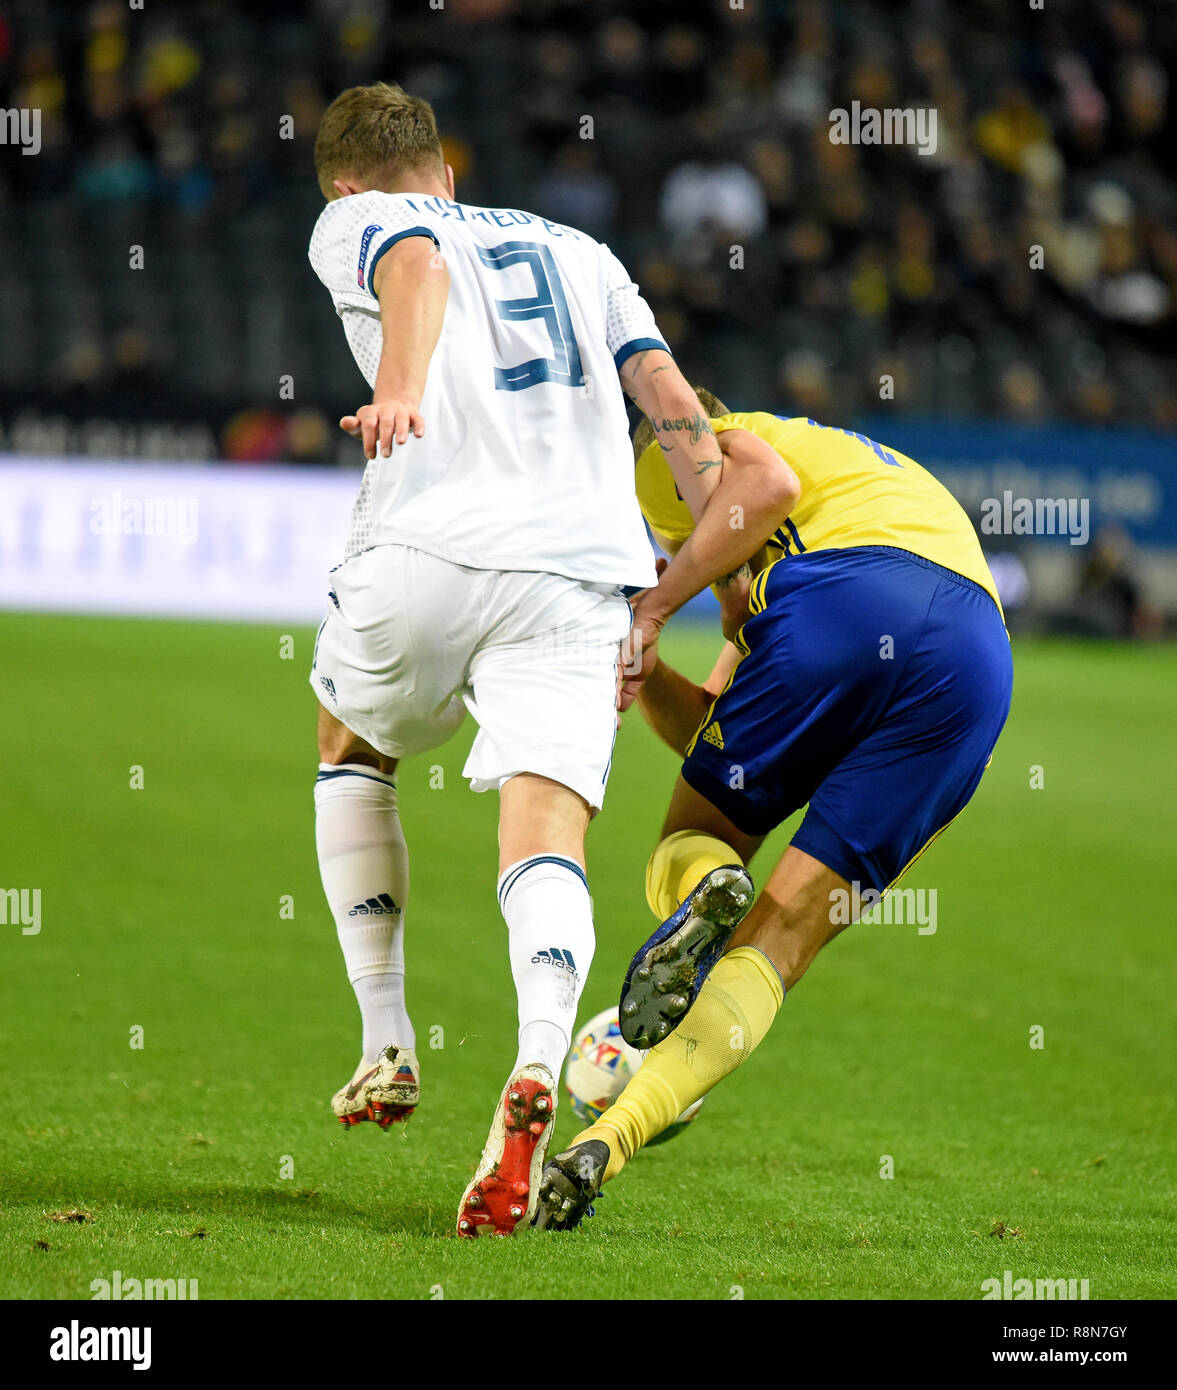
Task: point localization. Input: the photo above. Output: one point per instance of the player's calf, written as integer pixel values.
(794, 917)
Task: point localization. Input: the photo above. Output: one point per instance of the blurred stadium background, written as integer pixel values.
(874, 286)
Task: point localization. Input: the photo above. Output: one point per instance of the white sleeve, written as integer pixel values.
(350, 237)
(629, 320)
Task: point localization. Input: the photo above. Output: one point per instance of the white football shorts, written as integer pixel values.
(411, 642)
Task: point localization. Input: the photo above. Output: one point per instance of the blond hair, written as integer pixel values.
(643, 436)
(377, 134)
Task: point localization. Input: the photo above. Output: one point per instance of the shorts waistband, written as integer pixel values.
(939, 569)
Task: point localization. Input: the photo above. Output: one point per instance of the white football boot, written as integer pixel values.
(503, 1193)
(383, 1091)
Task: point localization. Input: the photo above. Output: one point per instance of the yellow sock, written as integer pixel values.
(678, 864)
(729, 1019)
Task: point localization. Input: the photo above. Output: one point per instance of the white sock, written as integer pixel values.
(364, 864)
(549, 915)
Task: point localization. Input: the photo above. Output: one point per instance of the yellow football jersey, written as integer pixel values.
(853, 492)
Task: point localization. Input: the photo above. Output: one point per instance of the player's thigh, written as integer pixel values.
(392, 653)
(913, 774)
(691, 810)
(810, 691)
(545, 701)
(770, 736)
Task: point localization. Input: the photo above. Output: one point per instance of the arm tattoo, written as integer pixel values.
(629, 371)
(699, 425)
(633, 364)
(736, 576)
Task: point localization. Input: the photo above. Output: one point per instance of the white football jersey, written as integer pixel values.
(526, 462)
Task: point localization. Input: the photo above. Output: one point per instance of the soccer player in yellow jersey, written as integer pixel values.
(868, 675)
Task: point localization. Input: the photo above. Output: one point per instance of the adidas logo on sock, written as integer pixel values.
(562, 960)
(374, 907)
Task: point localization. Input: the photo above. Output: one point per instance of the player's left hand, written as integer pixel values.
(381, 422)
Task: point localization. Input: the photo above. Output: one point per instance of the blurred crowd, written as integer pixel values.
(1026, 269)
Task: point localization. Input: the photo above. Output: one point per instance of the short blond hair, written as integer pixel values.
(643, 436)
(378, 134)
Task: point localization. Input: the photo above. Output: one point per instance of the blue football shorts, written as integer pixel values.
(873, 686)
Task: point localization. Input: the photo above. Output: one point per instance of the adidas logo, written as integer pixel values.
(712, 735)
(374, 907)
(329, 686)
(562, 960)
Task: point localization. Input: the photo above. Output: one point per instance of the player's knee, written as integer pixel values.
(540, 816)
(337, 744)
(678, 863)
(660, 871)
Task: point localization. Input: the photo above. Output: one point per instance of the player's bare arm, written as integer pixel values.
(674, 706)
(732, 590)
(412, 284)
(756, 492)
(757, 489)
(653, 382)
(670, 703)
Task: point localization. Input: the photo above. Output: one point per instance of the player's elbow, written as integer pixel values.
(763, 472)
(781, 490)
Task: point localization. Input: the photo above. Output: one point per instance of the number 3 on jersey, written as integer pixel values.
(549, 304)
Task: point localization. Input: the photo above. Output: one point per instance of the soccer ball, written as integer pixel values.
(600, 1064)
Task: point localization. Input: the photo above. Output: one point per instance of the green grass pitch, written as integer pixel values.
(209, 1152)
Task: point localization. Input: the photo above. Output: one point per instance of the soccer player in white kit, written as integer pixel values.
(494, 529)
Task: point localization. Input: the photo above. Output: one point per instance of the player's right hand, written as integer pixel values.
(638, 654)
(381, 422)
